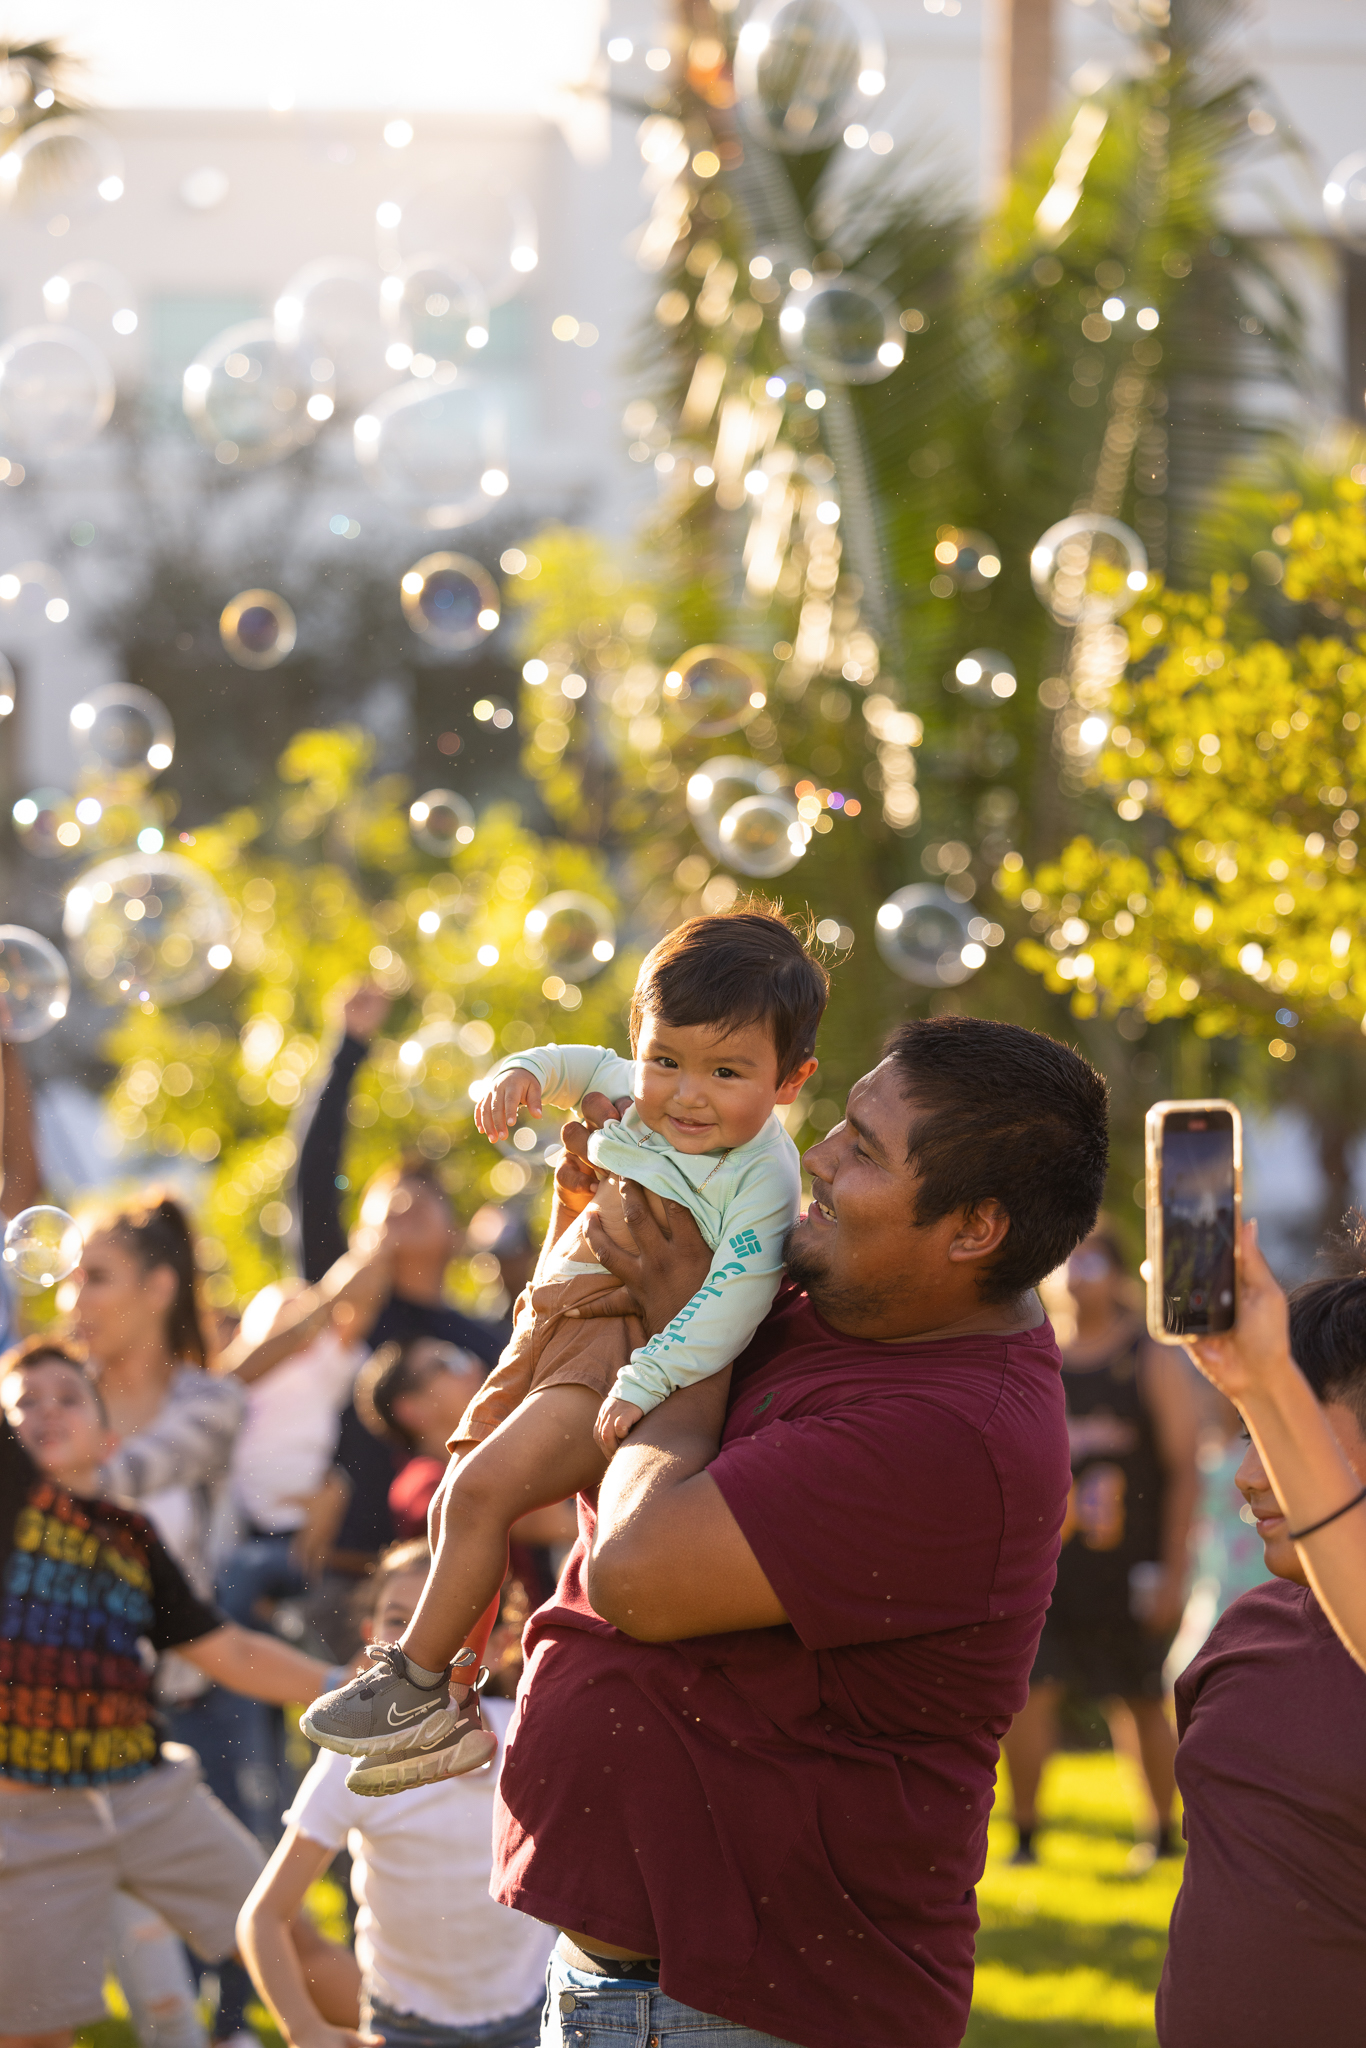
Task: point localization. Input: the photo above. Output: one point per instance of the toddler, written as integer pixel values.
(723, 1025)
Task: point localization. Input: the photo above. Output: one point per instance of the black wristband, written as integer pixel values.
(1298, 1535)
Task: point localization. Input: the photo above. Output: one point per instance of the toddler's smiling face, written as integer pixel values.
(707, 1088)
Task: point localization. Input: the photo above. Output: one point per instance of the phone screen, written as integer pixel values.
(1197, 1221)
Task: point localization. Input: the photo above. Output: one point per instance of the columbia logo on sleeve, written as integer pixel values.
(746, 1245)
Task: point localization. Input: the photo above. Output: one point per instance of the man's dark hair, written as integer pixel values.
(743, 966)
(1328, 1321)
(1010, 1115)
(40, 1350)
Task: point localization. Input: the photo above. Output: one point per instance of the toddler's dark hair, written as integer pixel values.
(743, 966)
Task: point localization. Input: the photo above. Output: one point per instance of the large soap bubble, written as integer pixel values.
(438, 1067)
(60, 169)
(33, 590)
(1088, 569)
(35, 988)
(434, 450)
(441, 821)
(921, 934)
(1344, 199)
(450, 600)
(45, 823)
(42, 1246)
(93, 297)
(720, 783)
(150, 927)
(251, 400)
(986, 676)
(436, 311)
(476, 225)
(573, 935)
(800, 67)
(763, 835)
(970, 560)
(124, 729)
(844, 327)
(257, 628)
(56, 390)
(329, 315)
(457, 946)
(715, 690)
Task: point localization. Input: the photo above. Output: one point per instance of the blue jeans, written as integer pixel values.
(405, 2030)
(586, 2011)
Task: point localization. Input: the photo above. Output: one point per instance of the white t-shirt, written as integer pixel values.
(429, 1939)
(286, 1442)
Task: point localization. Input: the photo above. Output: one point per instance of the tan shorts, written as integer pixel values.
(549, 1348)
(63, 1855)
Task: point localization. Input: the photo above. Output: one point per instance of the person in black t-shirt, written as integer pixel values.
(85, 1586)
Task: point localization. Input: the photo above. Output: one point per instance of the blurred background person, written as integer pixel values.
(1133, 1422)
(440, 1964)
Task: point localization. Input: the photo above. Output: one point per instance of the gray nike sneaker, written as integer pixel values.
(441, 1753)
(381, 1712)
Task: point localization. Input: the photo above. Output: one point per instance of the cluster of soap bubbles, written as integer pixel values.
(41, 1245)
(745, 815)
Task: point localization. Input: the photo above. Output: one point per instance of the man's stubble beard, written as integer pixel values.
(831, 1299)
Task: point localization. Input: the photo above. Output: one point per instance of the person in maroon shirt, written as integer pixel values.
(755, 1744)
(1268, 1935)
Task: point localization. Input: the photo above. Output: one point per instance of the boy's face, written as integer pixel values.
(51, 1408)
(708, 1090)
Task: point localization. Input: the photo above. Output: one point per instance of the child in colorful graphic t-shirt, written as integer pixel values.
(723, 1028)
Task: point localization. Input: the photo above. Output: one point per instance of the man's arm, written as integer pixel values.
(322, 1130)
(669, 1559)
(1176, 1424)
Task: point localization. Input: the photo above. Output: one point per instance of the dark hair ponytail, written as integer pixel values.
(157, 1230)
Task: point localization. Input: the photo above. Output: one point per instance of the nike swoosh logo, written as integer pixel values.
(398, 1715)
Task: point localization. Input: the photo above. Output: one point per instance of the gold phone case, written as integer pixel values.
(1152, 1190)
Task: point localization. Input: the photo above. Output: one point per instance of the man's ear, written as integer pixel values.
(792, 1087)
(981, 1231)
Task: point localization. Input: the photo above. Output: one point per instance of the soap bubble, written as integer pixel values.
(149, 926)
(971, 561)
(329, 315)
(434, 450)
(124, 729)
(572, 935)
(93, 297)
(479, 226)
(60, 169)
(248, 398)
(436, 310)
(42, 1245)
(720, 783)
(986, 676)
(844, 327)
(33, 590)
(713, 689)
(921, 933)
(440, 822)
(257, 628)
(1344, 199)
(45, 823)
(35, 988)
(438, 1068)
(56, 390)
(763, 835)
(798, 68)
(450, 600)
(456, 945)
(8, 687)
(1088, 569)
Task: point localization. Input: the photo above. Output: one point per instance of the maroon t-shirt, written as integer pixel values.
(795, 1817)
(1268, 1939)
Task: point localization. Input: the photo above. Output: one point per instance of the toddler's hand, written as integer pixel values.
(496, 1112)
(616, 1419)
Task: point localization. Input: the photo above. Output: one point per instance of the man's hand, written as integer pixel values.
(1245, 1359)
(616, 1419)
(666, 1269)
(496, 1112)
(364, 1010)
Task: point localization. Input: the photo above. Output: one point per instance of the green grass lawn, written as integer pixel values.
(1070, 1951)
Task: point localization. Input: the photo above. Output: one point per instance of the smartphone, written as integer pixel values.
(1194, 1186)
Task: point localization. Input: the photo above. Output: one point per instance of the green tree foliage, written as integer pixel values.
(328, 886)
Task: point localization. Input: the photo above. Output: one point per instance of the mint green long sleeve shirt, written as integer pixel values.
(744, 1202)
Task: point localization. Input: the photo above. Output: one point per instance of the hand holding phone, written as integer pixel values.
(1194, 1187)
